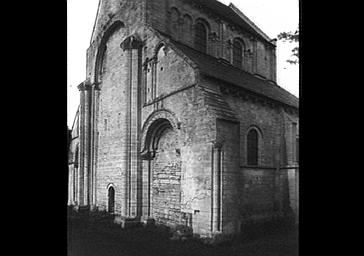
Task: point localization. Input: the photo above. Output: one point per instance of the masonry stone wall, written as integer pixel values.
(268, 122)
(129, 13)
(195, 135)
(258, 56)
(228, 133)
(166, 181)
(111, 126)
(169, 140)
(291, 123)
(263, 194)
(270, 188)
(185, 103)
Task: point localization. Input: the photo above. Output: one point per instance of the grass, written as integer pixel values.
(89, 236)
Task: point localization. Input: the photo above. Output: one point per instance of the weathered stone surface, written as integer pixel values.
(171, 142)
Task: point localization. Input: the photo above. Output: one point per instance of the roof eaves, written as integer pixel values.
(209, 65)
(291, 104)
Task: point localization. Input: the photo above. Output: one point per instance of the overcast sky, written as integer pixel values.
(271, 16)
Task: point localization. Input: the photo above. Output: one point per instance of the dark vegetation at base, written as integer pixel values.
(92, 234)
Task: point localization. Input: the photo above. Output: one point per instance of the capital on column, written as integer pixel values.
(217, 144)
(84, 86)
(131, 42)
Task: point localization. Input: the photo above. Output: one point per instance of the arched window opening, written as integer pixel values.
(76, 157)
(100, 57)
(111, 197)
(187, 28)
(252, 147)
(160, 73)
(297, 150)
(238, 51)
(174, 22)
(201, 37)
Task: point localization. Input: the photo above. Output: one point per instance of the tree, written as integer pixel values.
(291, 38)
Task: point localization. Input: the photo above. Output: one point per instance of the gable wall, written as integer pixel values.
(259, 57)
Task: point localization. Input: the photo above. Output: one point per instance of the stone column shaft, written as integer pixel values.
(70, 185)
(95, 142)
(85, 177)
(132, 46)
(80, 178)
(216, 208)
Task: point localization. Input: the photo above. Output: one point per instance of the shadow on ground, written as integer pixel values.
(91, 236)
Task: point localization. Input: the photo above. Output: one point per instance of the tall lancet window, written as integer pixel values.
(252, 147)
(187, 28)
(201, 37)
(238, 51)
(175, 28)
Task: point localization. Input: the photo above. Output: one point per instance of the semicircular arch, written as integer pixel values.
(154, 126)
(115, 26)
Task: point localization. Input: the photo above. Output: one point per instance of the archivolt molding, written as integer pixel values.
(110, 185)
(151, 124)
(109, 29)
(257, 128)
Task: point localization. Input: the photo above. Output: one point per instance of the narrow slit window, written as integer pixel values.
(237, 54)
(252, 147)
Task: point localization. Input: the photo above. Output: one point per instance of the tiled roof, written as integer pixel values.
(213, 67)
(219, 106)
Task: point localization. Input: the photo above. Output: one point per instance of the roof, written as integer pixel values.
(233, 15)
(213, 67)
(219, 106)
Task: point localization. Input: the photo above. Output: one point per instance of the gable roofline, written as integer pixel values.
(97, 15)
(251, 23)
(210, 66)
(233, 15)
(166, 39)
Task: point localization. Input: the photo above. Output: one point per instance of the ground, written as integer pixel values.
(88, 236)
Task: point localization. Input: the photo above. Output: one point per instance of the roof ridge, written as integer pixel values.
(210, 66)
(226, 63)
(232, 16)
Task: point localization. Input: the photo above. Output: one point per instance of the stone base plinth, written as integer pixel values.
(127, 222)
(147, 221)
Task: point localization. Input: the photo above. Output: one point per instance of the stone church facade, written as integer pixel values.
(181, 120)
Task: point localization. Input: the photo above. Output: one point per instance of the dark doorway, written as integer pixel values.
(111, 196)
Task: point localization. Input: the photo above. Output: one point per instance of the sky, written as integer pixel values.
(271, 16)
